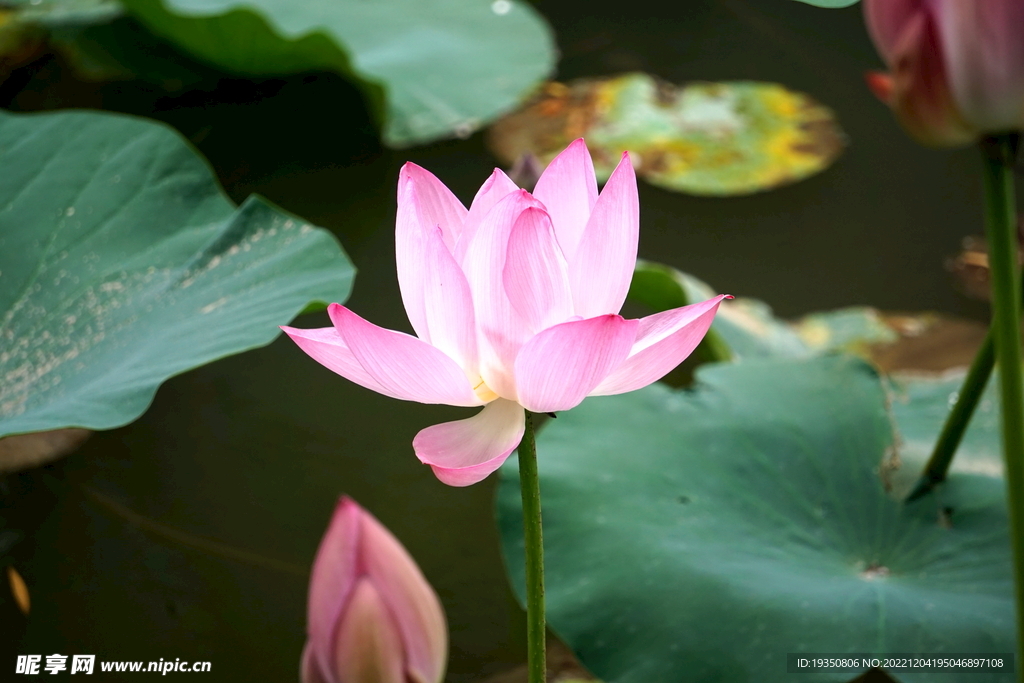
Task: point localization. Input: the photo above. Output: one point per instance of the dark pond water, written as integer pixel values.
(251, 452)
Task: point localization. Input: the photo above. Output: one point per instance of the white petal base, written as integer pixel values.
(464, 452)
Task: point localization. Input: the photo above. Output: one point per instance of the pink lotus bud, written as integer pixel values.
(373, 618)
(957, 66)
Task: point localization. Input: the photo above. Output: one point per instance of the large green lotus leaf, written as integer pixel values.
(748, 326)
(704, 534)
(122, 263)
(445, 66)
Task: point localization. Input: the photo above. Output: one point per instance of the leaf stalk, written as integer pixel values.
(958, 419)
(1001, 232)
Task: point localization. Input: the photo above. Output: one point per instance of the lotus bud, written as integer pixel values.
(372, 616)
(956, 67)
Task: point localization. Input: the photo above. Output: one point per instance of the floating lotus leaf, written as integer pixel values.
(721, 139)
(704, 534)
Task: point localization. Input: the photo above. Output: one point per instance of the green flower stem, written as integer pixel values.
(529, 486)
(1001, 232)
(958, 418)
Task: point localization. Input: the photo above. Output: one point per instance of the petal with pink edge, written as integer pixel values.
(369, 645)
(411, 601)
(495, 188)
(887, 20)
(326, 346)
(663, 341)
(332, 580)
(466, 451)
(603, 266)
(920, 94)
(406, 367)
(500, 330)
(568, 189)
(558, 368)
(536, 276)
(983, 46)
(424, 204)
(428, 201)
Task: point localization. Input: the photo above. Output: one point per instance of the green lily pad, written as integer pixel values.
(748, 326)
(433, 69)
(716, 139)
(122, 263)
(705, 534)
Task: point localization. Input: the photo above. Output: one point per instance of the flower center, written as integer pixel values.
(484, 392)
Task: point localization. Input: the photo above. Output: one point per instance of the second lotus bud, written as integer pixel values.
(372, 616)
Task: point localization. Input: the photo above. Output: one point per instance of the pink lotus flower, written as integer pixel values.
(373, 618)
(515, 305)
(957, 66)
